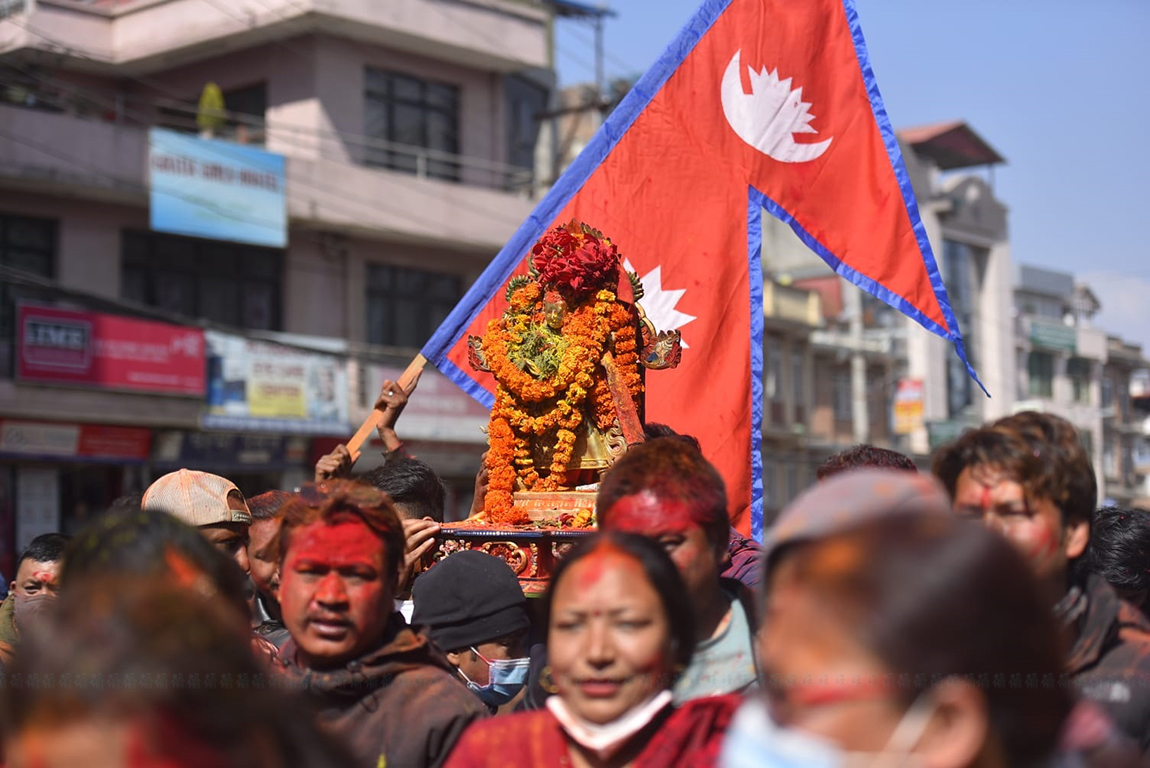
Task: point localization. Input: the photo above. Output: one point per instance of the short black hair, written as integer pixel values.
(864, 456)
(1120, 548)
(128, 501)
(411, 484)
(661, 573)
(45, 548)
(267, 505)
(673, 470)
(654, 431)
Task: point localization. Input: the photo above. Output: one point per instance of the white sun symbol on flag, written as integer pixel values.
(659, 303)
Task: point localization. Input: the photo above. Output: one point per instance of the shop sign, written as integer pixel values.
(88, 349)
(92, 442)
(213, 450)
(264, 387)
(908, 406)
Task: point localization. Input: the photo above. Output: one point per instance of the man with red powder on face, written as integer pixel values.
(379, 686)
(32, 592)
(1028, 477)
(665, 490)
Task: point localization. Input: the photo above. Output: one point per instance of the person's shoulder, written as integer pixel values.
(439, 687)
(715, 707)
(692, 734)
(522, 738)
(516, 722)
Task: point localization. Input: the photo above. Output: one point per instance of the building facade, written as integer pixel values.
(409, 130)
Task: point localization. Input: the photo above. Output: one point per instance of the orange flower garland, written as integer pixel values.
(529, 408)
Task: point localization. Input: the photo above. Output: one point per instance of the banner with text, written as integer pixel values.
(216, 189)
(64, 346)
(261, 386)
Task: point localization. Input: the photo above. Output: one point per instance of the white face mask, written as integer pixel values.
(605, 740)
(755, 740)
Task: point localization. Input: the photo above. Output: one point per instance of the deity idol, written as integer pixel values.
(567, 357)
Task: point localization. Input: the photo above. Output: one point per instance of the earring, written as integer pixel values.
(546, 681)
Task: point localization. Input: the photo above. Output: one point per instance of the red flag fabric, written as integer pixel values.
(757, 105)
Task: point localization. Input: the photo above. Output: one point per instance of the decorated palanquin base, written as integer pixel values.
(568, 357)
(531, 550)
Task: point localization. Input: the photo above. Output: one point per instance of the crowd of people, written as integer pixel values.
(985, 614)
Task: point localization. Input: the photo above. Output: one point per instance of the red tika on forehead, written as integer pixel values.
(647, 514)
(342, 543)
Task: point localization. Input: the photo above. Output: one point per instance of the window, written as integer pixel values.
(1107, 392)
(404, 110)
(841, 394)
(1109, 460)
(1040, 366)
(237, 285)
(28, 244)
(798, 386)
(525, 102)
(773, 386)
(1087, 439)
(792, 482)
(962, 262)
(1078, 371)
(405, 306)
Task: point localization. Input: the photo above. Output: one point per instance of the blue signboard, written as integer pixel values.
(216, 189)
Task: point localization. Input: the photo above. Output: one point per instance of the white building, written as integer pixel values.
(968, 230)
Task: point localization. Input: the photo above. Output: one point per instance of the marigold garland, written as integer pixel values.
(528, 409)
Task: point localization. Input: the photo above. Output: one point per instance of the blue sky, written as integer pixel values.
(1059, 88)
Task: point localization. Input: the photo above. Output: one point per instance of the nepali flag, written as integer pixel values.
(756, 105)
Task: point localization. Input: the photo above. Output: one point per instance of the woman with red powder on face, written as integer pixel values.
(618, 634)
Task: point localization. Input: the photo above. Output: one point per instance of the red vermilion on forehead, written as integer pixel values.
(646, 514)
(44, 577)
(590, 569)
(334, 545)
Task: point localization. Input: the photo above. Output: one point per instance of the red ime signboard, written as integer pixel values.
(62, 346)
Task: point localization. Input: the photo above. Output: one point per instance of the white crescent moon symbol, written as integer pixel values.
(768, 117)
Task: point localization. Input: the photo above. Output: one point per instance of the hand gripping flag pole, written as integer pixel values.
(756, 105)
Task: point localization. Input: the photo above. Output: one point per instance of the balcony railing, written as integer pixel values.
(290, 139)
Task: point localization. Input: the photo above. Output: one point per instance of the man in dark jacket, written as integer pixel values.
(378, 685)
(1029, 477)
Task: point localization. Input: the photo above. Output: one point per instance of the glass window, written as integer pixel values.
(961, 265)
(841, 393)
(28, 244)
(1078, 371)
(798, 386)
(405, 306)
(1040, 366)
(227, 283)
(774, 382)
(404, 110)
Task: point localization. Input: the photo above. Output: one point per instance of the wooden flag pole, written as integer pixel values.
(407, 383)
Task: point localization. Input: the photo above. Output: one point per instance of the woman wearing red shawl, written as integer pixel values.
(619, 630)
